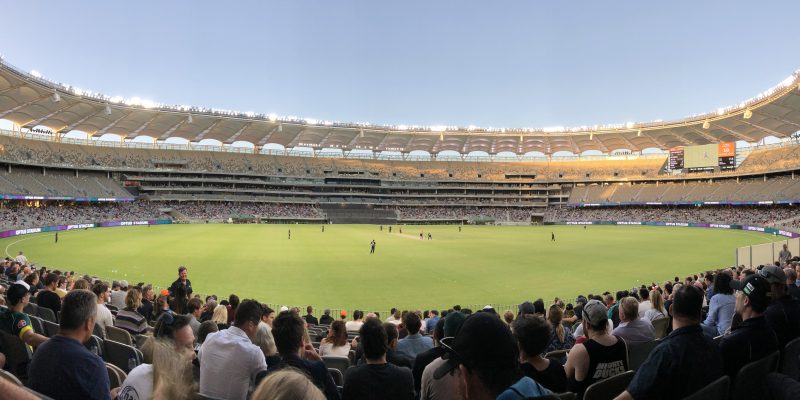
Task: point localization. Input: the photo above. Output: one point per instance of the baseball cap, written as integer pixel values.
(756, 288)
(595, 312)
(773, 274)
(527, 308)
(284, 308)
(343, 313)
(123, 284)
(15, 293)
(483, 342)
(453, 322)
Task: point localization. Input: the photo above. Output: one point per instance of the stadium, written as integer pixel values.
(408, 225)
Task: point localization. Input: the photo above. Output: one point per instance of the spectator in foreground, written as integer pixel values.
(658, 311)
(413, 344)
(182, 281)
(686, 360)
(533, 334)
(103, 317)
(377, 378)
(355, 324)
(632, 328)
(561, 336)
(287, 385)
(446, 386)
(753, 334)
(220, 317)
(53, 369)
(783, 313)
(336, 343)
(426, 357)
(288, 329)
(487, 372)
(229, 361)
(721, 307)
(15, 321)
(601, 356)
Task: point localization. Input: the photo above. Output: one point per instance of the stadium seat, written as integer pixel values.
(717, 390)
(340, 363)
(18, 355)
(750, 380)
(115, 375)
(38, 324)
(559, 356)
(119, 335)
(661, 326)
(338, 377)
(609, 388)
(31, 309)
(139, 340)
(638, 352)
(95, 345)
(123, 356)
(99, 332)
(50, 328)
(790, 359)
(8, 376)
(46, 314)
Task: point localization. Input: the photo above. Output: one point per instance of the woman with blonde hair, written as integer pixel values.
(658, 311)
(336, 342)
(561, 338)
(168, 377)
(287, 384)
(220, 317)
(129, 318)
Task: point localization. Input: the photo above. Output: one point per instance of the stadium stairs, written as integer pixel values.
(343, 213)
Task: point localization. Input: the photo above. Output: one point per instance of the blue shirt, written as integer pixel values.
(412, 345)
(431, 324)
(720, 312)
(525, 388)
(63, 368)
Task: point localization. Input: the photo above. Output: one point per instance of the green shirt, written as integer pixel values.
(16, 323)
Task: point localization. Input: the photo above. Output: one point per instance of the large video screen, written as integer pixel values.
(727, 155)
(703, 156)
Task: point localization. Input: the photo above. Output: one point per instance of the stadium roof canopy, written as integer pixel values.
(29, 100)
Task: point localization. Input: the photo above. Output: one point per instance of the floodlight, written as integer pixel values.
(706, 124)
(56, 96)
(748, 114)
(108, 109)
(638, 134)
(190, 120)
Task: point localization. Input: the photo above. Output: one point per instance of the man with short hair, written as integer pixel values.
(685, 361)
(753, 339)
(21, 259)
(645, 304)
(118, 296)
(182, 281)
(48, 298)
(309, 317)
(103, 317)
(430, 324)
(288, 329)
(229, 361)
(632, 328)
(194, 308)
(791, 283)
(442, 388)
(146, 309)
(485, 360)
(783, 313)
(326, 318)
(784, 255)
(377, 378)
(15, 321)
(62, 367)
(414, 343)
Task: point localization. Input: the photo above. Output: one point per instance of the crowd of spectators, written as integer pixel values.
(34, 214)
(745, 215)
(507, 214)
(222, 210)
(236, 349)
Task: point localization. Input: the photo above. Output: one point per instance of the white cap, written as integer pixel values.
(23, 283)
(284, 308)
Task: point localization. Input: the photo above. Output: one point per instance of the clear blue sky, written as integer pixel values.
(487, 63)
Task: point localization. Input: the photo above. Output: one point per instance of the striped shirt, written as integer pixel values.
(131, 321)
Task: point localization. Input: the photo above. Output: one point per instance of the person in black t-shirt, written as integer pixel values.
(783, 314)
(326, 318)
(377, 379)
(48, 298)
(533, 334)
(310, 319)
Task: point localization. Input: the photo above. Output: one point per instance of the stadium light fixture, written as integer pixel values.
(591, 136)
(280, 127)
(748, 114)
(639, 133)
(706, 124)
(56, 96)
(108, 109)
(190, 120)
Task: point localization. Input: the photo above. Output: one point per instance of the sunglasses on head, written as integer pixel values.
(447, 343)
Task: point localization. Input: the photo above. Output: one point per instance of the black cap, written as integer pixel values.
(483, 342)
(756, 288)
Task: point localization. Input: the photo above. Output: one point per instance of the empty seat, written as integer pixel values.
(750, 382)
(609, 388)
(122, 355)
(790, 359)
(119, 335)
(660, 325)
(340, 363)
(717, 390)
(638, 352)
(338, 377)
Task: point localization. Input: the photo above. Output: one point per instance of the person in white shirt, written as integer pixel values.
(336, 343)
(645, 303)
(118, 297)
(104, 317)
(355, 324)
(172, 354)
(229, 361)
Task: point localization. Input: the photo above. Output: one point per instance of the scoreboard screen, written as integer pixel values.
(676, 158)
(727, 155)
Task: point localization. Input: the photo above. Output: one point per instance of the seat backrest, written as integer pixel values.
(8, 376)
(31, 309)
(608, 388)
(99, 331)
(114, 379)
(46, 314)
(790, 359)
(119, 335)
(638, 352)
(37, 324)
(50, 328)
(750, 382)
(18, 355)
(717, 390)
(340, 363)
(95, 345)
(559, 356)
(338, 377)
(660, 325)
(125, 357)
